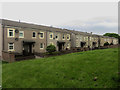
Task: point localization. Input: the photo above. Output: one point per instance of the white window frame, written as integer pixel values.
(77, 37)
(40, 45)
(84, 38)
(105, 40)
(52, 36)
(9, 47)
(67, 36)
(9, 34)
(57, 37)
(35, 34)
(21, 32)
(80, 38)
(41, 37)
(90, 38)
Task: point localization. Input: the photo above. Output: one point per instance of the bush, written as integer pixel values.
(51, 49)
(111, 43)
(106, 44)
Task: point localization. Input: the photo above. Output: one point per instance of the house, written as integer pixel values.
(25, 39)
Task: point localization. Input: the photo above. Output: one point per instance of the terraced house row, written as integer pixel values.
(21, 38)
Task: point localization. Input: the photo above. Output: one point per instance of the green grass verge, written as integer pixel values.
(75, 70)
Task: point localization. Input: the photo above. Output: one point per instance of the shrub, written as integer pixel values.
(51, 49)
(106, 44)
(111, 43)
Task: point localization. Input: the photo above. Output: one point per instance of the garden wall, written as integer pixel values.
(8, 56)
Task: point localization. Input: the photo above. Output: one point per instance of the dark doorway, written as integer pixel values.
(94, 44)
(60, 45)
(27, 48)
(82, 44)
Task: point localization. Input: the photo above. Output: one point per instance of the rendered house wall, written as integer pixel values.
(115, 41)
(60, 39)
(75, 38)
(18, 45)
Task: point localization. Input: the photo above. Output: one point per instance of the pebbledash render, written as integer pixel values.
(25, 38)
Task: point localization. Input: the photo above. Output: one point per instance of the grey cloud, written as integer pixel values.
(96, 25)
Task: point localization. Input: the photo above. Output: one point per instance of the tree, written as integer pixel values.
(51, 48)
(112, 35)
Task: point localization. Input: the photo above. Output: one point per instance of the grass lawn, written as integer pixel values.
(75, 70)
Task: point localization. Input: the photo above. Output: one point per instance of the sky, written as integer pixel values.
(96, 17)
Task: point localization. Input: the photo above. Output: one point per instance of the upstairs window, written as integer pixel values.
(68, 37)
(63, 37)
(41, 45)
(90, 38)
(21, 34)
(80, 38)
(11, 33)
(56, 37)
(10, 46)
(51, 35)
(86, 38)
(77, 37)
(34, 35)
(41, 35)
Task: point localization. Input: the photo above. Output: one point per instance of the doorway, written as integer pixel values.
(60, 46)
(94, 44)
(27, 48)
(82, 44)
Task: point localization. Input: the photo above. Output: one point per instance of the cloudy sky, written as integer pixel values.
(96, 17)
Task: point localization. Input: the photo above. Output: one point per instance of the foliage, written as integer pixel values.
(112, 35)
(75, 70)
(111, 43)
(106, 44)
(51, 48)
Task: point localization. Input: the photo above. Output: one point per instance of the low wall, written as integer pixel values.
(19, 58)
(8, 56)
(79, 49)
(11, 57)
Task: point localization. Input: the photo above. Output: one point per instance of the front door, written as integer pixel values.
(27, 49)
(60, 46)
(94, 44)
(82, 44)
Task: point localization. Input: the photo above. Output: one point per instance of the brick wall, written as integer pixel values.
(1, 41)
(19, 58)
(8, 56)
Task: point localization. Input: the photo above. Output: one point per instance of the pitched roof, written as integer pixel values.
(41, 27)
(29, 25)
